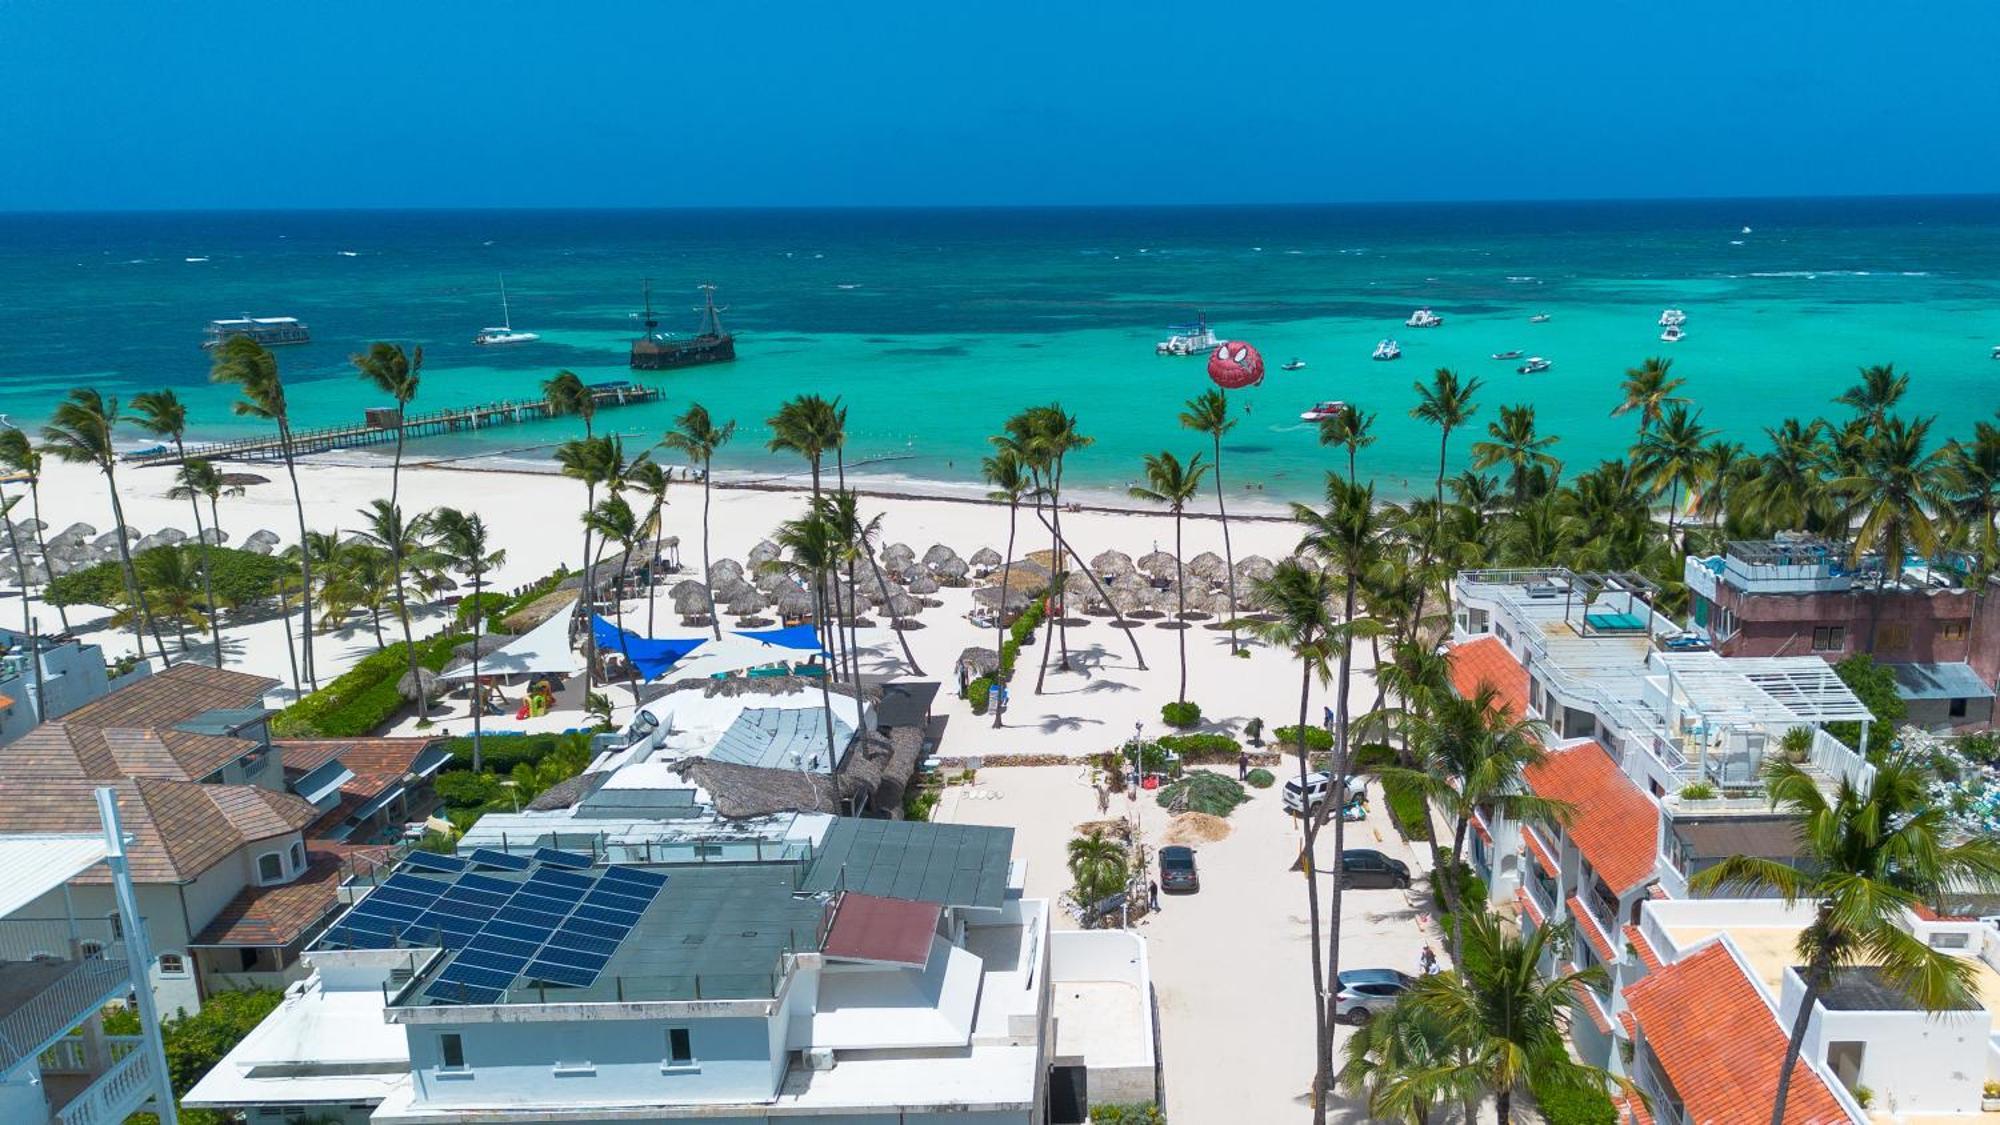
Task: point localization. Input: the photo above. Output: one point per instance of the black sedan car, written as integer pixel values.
(1366, 867)
(1177, 871)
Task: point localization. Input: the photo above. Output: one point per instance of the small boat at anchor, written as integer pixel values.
(1189, 339)
(1388, 349)
(1539, 318)
(1423, 318)
(1511, 353)
(1672, 334)
(1534, 366)
(505, 333)
(1321, 411)
(1295, 364)
(1672, 318)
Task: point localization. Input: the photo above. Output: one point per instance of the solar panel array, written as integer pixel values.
(558, 926)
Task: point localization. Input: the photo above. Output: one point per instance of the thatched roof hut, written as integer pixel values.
(952, 572)
(1159, 564)
(1112, 564)
(986, 558)
(979, 661)
(1208, 564)
(540, 610)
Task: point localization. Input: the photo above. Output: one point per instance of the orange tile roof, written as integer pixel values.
(1486, 662)
(1592, 933)
(1632, 1110)
(1612, 823)
(1541, 853)
(1642, 947)
(1479, 826)
(1720, 1043)
(1588, 1001)
(1528, 906)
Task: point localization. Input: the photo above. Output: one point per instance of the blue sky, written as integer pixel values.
(614, 103)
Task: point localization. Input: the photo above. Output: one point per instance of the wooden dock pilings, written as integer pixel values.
(456, 419)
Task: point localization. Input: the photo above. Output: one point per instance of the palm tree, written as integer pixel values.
(1446, 404)
(1671, 458)
(594, 461)
(1098, 866)
(161, 414)
(1878, 392)
(385, 526)
(1723, 467)
(353, 576)
(1044, 437)
(395, 373)
(1349, 430)
(566, 394)
(809, 426)
(1516, 445)
(461, 536)
(80, 433)
(842, 506)
(696, 437)
(1208, 413)
(254, 370)
(1870, 856)
(172, 586)
(1787, 491)
(1010, 480)
(809, 550)
(1895, 492)
(1170, 483)
(1299, 603)
(614, 521)
(1971, 476)
(1407, 1063)
(7, 504)
(1649, 389)
(651, 479)
(1507, 1018)
(18, 454)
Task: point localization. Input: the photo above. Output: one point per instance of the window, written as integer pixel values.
(1952, 630)
(1892, 637)
(1957, 709)
(1829, 638)
(117, 926)
(270, 867)
(680, 1047)
(298, 856)
(92, 950)
(173, 965)
(451, 1051)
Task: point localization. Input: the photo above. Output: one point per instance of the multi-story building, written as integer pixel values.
(1798, 595)
(71, 674)
(59, 969)
(804, 966)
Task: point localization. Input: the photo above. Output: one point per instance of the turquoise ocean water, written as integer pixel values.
(934, 325)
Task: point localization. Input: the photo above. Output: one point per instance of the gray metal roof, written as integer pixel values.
(776, 738)
(953, 864)
(222, 720)
(1939, 681)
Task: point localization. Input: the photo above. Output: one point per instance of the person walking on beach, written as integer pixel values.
(1427, 962)
(1153, 893)
(1243, 766)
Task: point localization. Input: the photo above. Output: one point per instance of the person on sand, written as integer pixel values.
(1427, 962)
(1243, 766)
(1153, 894)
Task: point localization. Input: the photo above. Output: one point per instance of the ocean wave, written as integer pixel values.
(1812, 274)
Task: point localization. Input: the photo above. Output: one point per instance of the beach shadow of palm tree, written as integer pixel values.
(1096, 686)
(1057, 723)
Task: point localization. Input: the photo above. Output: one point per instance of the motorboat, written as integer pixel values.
(1423, 318)
(269, 331)
(1189, 339)
(1539, 318)
(1321, 411)
(505, 333)
(1996, 351)
(1296, 364)
(1672, 334)
(1671, 318)
(1388, 349)
(1534, 366)
(1511, 353)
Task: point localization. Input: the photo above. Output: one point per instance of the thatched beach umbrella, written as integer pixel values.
(991, 597)
(720, 567)
(985, 559)
(74, 533)
(921, 584)
(1111, 564)
(1253, 567)
(1159, 564)
(795, 603)
(425, 677)
(1024, 572)
(214, 536)
(110, 538)
(902, 608)
(979, 661)
(748, 603)
(691, 600)
(261, 542)
(243, 480)
(763, 552)
(729, 587)
(1208, 564)
(952, 571)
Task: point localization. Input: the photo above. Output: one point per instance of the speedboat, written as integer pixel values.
(1539, 318)
(1296, 364)
(1670, 318)
(1321, 411)
(1388, 349)
(1188, 339)
(1672, 334)
(1423, 318)
(1534, 366)
(1996, 351)
(1511, 353)
(505, 333)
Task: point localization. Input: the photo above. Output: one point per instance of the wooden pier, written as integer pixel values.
(380, 427)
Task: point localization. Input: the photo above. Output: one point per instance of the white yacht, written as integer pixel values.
(1189, 339)
(505, 333)
(1388, 349)
(1510, 353)
(1672, 334)
(1535, 365)
(1296, 364)
(1539, 318)
(1672, 318)
(1423, 318)
(1321, 411)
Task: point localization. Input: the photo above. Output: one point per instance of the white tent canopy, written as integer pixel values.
(732, 654)
(542, 651)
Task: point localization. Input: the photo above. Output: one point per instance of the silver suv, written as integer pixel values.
(1367, 993)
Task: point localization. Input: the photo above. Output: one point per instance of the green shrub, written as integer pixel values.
(1697, 791)
(1407, 810)
(464, 789)
(1370, 756)
(1209, 793)
(364, 697)
(488, 606)
(1202, 747)
(1135, 1113)
(1261, 779)
(501, 754)
(1181, 715)
(1317, 738)
(1876, 686)
(1562, 1105)
(1983, 748)
(918, 803)
(240, 577)
(979, 693)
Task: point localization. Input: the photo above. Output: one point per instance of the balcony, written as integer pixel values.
(117, 1093)
(54, 974)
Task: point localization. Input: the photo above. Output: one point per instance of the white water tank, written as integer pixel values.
(819, 1058)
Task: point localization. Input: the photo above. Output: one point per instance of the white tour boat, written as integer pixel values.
(1534, 366)
(1672, 334)
(1539, 318)
(1511, 353)
(1189, 339)
(1670, 318)
(1423, 318)
(1388, 349)
(505, 333)
(269, 331)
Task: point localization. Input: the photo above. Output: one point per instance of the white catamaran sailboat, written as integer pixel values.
(504, 334)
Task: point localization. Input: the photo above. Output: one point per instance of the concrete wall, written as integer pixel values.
(72, 675)
(556, 1063)
(1914, 1062)
(1121, 1071)
(1782, 625)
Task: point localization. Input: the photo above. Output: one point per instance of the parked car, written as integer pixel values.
(1366, 867)
(1365, 993)
(1317, 789)
(1177, 871)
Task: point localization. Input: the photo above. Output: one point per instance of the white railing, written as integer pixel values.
(1836, 759)
(114, 1096)
(71, 1056)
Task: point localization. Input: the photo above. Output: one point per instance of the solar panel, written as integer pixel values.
(499, 861)
(634, 875)
(522, 915)
(432, 861)
(487, 899)
(453, 992)
(527, 900)
(359, 939)
(404, 881)
(617, 902)
(559, 974)
(460, 973)
(388, 911)
(569, 939)
(443, 929)
(556, 954)
(626, 918)
(417, 899)
(487, 959)
(490, 942)
(373, 925)
(487, 883)
(470, 910)
(563, 859)
(562, 879)
(518, 932)
(612, 930)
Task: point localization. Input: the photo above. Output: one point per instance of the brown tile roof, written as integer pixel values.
(1632, 1110)
(1720, 1043)
(278, 915)
(1527, 904)
(1613, 824)
(1486, 662)
(129, 733)
(173, 696)
(377, 765)
(179, 828)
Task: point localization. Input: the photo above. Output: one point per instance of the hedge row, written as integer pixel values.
(979, 691)
(1566, 1106)
(1203, 747)
(364, 697)
(239, 577)
(503, 752)
(1317, 738)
